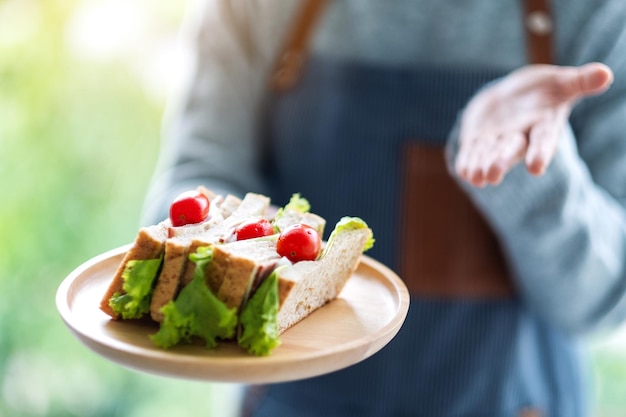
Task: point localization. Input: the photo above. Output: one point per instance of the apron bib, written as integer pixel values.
(443, 247)
(369, 141)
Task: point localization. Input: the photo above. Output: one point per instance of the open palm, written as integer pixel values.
(521, 117)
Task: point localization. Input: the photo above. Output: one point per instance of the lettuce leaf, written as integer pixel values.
(349, 223)
(296, 203)
(138, 276)
(196, 311)
(259, 319)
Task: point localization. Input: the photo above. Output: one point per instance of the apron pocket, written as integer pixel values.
(446, 248)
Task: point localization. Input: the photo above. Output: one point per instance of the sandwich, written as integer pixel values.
(144, 260)
(173, 274)
(250, 290)
(150, 272)
(295, 290)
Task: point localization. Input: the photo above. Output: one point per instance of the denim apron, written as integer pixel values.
(368, 141)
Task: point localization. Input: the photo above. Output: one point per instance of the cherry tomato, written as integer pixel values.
(299, 242)
(254, 228)
(188, 208)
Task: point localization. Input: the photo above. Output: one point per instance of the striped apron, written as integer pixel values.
(368, 141)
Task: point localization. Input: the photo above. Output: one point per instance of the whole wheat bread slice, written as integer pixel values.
(149, 244)
(252, 205)
(236, 266)
(291, 217)
(168, 281)
(315, 283)
(177, 251)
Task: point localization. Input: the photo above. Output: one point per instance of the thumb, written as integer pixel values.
(587, 80)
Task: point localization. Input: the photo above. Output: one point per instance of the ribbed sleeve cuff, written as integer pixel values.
(525, 200)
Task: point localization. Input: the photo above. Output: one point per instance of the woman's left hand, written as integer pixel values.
(521, 117)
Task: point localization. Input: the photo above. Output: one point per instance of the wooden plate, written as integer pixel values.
(362, 320)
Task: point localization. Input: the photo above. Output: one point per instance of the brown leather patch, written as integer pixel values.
(447, 248)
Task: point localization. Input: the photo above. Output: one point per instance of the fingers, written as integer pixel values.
(541, 149)
(476, 160)
(543, 139)
(511, 150)
(576, 82)
(533, 103)
(586, 80)
(487, 159)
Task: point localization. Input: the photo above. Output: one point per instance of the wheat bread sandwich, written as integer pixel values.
(272, 302)
(315, 283)
(238, 287)
(235, 265)
(143, 261)
(252, 206)
(177, 252)
(238, 267)
(153, 269)
(148, 247)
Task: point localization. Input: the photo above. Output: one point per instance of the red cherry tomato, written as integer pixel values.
(254, 228)
(188, 208)
(299, 242)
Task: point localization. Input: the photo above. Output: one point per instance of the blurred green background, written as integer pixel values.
(82, 93)
(83, 87)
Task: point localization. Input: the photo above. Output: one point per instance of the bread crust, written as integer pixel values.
(149, 244)
(168, 282)
(235, 268)
(315, 283)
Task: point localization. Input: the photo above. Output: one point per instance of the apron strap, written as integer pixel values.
(293, 53)
(538, 25)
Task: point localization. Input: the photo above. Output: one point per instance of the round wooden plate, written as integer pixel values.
(362, 320)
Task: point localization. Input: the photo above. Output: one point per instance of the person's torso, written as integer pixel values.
(340, 138)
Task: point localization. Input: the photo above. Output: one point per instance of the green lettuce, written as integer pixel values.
(259, 319)
(196, 311)
(349, 223)
(138, 276)
(296, 203)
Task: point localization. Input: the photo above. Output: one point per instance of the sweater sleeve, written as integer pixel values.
(211, 128)
(565, 232)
